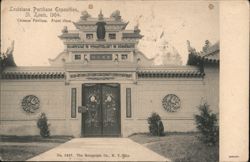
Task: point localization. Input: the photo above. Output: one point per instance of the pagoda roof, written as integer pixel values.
(70, 34)
(213, 52)
(35, 72)
(169, 72)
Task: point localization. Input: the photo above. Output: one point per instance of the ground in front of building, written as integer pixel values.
(175, 146)
(20, 148)
(179, 147)
(100, 149)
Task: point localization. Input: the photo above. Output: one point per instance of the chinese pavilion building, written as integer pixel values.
(102, 85)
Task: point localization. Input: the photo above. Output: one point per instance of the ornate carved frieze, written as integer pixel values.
(99, 76)
(87, 46)
(109, 27)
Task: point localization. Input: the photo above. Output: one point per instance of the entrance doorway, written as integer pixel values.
(102, 116)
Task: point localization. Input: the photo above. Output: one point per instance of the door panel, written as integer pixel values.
(110, 109)
(92, 118)
(102, 117)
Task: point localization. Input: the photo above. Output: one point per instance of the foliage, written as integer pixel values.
(6, 60)
(43, 125)
(180, 147)
(3, 60)
(206, 123)
(156, 127)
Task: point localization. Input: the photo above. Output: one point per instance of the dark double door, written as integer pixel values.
(102, 115)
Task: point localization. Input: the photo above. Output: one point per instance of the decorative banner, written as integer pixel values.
(171, 103)
(128, 103)
(73, 103)
(30, 103)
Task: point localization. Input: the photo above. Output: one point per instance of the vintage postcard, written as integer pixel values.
(122, 81)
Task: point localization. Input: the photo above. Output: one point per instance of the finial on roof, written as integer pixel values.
(116, 15)
(85, 15)
(190, 49)
(100, 16)
(136, 28)
(206, 46)
(10, 49)
(65, 29)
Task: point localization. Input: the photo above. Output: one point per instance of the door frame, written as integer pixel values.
(119, 114)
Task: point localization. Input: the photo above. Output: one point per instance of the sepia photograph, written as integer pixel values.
(110, 81)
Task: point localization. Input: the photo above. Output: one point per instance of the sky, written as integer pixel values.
(36, 42)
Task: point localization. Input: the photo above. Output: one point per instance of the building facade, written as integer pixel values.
(102, 85)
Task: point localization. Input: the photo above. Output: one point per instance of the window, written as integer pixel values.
(112, 36)
(128, 103)
(77, 57)
(73, 103)
(89, 36)
(124, 56)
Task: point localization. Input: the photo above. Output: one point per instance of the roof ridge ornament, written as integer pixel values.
(85, 15)
(116, 15)
(100, 16)
(190, 48)
(206, 46)
(136, 28)
(11, 48)
(65, 29)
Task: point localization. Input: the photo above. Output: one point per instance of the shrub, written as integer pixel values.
(206, 123)
(156, 127)
(43, 125)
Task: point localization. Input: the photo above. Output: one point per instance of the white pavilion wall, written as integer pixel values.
(147, 97)
(211, 80)
(127, 124)
(74, 125)
(15, 121)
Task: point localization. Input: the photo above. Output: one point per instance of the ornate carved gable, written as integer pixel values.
(60, 59)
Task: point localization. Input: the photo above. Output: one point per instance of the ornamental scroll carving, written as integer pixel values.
(30, 103)
(171, 103)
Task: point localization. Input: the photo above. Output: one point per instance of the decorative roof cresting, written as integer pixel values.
(116, 15)
(85, 15)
